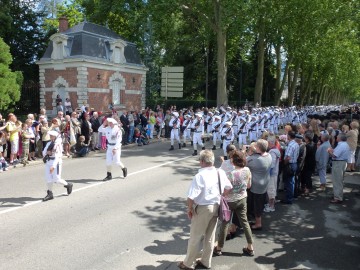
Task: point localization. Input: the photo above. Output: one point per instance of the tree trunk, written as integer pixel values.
(293, 84)
(278, 74)
(222, 98)
(307, 85)
(260, 64)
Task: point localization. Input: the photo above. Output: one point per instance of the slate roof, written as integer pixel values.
(89, 40)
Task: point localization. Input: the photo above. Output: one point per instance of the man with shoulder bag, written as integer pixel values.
(202, 209)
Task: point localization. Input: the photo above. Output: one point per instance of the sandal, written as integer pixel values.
(248, 252)
(336, 201)
(181, 265)
(217, 252)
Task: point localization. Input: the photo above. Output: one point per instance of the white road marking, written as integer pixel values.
(90, 186)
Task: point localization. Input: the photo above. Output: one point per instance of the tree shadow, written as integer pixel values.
(166, 215)
(313, 234)
(15, 202)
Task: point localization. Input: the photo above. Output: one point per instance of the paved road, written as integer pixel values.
(140, 222)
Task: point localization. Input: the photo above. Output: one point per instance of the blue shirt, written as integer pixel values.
(292, 151)
(341, 152)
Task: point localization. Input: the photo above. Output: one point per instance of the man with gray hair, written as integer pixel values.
(322, 159)
(202, 208)
(339, 159)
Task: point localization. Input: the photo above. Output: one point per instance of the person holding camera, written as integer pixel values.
(53, 164)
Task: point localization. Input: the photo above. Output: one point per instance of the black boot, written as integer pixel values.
(69, 187)
(184, 145)
(195, 153)
(192, 143)
(203, 148)
(221, 145)
(124, 171)
(179, 145)
(225, 157)
(214, 147)
(49, 196)
(108, 177)
(171, 148)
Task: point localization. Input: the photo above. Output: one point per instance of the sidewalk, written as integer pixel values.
(309, 234)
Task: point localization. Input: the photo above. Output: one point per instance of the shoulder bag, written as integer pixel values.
(224, 211)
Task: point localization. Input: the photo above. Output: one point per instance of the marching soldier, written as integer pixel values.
(216, 130)
(198, 126)
(186, 127)
(53, 164)
(253, 129)
(242, 133)
(114, 137)
(175, 126)
(228, 136)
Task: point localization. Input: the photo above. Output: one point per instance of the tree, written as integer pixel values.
(10, 82)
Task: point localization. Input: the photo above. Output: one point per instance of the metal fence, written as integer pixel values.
(29, 100)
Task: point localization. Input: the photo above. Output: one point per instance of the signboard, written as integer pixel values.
(172, 82)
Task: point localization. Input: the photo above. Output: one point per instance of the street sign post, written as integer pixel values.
(172, 82)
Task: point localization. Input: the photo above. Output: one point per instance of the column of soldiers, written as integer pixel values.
(226, 125)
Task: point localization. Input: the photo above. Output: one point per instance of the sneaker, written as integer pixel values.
(269, 209)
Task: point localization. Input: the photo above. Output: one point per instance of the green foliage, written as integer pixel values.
(9, 81)
(23, 34)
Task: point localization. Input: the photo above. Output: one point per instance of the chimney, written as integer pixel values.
(63, 24)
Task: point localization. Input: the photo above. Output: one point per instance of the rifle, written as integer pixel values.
(185, 125)
(240, 128)
(216, 127)
(174, 123)
(50, 148)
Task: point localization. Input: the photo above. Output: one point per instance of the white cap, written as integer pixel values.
(217, 116)
(176, 114)
(229, 123)
(53, 133)
(198, 114)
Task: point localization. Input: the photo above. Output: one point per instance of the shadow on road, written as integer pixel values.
(167, 215)
(15, 202)
(313, 234)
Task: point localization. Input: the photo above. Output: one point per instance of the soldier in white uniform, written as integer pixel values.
(198, 127)
(242, 133)
(114, 137)
(253, 129)
(215, 129)
(174, 124)
(53, 164)
(228, 136)
(186, 127)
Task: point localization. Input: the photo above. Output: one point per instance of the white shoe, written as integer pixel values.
(269, 209)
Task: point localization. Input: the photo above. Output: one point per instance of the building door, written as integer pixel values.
(62, 93)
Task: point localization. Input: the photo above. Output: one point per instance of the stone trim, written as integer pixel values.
(133, 92)
(81, 62)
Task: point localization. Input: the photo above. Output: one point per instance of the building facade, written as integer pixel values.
(90, 64)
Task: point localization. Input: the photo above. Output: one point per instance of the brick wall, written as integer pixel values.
(100, 101)
(69, 74)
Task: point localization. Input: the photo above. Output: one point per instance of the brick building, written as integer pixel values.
(90, 64)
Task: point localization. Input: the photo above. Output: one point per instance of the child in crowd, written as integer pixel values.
(139, 138)
(82, 149)
(25, 143)
(148, 129)
(3, 165)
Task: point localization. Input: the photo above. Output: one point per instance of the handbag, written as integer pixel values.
(224, 210)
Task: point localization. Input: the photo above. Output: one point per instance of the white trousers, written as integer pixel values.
(174, 135)
(186, 135)
(113, 158)
(197, 140)
(55, 176)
